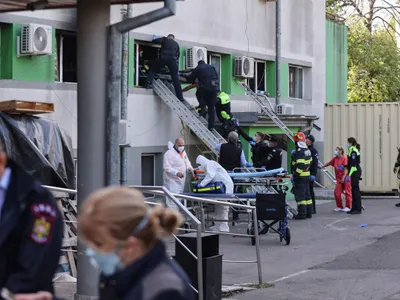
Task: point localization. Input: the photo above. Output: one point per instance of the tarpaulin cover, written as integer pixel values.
(40, 147)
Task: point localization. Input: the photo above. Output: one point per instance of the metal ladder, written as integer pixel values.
(262, 101)
(187, 114)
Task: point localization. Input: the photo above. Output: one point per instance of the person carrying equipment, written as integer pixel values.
(214, 172)
(301, 162)
(176, 164)
(310, 140)
(396, 169)
(354, 176)
(208, 81)
(169, 57)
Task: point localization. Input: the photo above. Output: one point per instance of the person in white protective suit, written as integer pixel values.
(213, 173)
(176, 165)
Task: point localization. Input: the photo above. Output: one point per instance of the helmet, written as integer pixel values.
(299, 137)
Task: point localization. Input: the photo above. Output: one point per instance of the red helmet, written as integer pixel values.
(299, 137)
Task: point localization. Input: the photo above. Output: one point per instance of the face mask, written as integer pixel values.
(181, 148)
(109, 263)
(336, 153)
(348, 145)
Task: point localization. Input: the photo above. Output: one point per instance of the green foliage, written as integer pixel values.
(374, 65)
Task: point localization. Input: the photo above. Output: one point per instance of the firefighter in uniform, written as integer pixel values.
(301, 161)
(31, 232)
(223, 110)
(396, 170)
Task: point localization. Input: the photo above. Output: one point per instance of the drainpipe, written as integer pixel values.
(114, 82)
(278, 51)
(125, 94)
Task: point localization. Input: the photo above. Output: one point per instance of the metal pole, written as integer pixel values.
(92, 39)
(257, 238)
(125, 94)
(200, 287)
(278, 51)
(113, 105)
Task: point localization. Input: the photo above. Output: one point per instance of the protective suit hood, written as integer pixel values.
(302, 145)
(170, 145)
(202, 161)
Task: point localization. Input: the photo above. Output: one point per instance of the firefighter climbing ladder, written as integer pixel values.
(270, 113)
(196, 123)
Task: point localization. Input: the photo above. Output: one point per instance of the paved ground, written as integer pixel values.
(330, 257)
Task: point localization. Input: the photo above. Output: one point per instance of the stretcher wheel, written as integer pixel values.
(288, 236)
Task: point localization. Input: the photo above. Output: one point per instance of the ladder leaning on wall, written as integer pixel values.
(266, 107)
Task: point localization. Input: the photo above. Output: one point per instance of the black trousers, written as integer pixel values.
(302, 197)
(207, 98)
(173, 70)
(312, 194)
(355, 191)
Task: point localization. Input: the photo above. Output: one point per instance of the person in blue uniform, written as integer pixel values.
(123, 237)
(31, 232)
(313, 168)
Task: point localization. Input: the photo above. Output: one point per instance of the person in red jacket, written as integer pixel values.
(338, 162)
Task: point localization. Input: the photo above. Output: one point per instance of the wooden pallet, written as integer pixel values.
(26, 107)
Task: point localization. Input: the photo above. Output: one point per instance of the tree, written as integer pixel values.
(374, 65)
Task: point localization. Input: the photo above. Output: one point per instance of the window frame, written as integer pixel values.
(254, 88)
(220, 64)
(302, 82)
(136, 45)
(60, 53)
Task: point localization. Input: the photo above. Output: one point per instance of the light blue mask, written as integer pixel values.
(109, 263)
(336, 153)
(348, 145)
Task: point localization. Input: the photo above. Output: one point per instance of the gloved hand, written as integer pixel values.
(312, 178)
(252, 143)
(340, 168)
(154, 37)
(249, 164)
(347, 179)
(236, 122)
(293, 151)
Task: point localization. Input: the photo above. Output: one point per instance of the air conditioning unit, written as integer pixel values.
(194, 55)
(244, 67)
(36, 40)
(285, 109)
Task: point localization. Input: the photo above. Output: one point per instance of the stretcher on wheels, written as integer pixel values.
(273, 208)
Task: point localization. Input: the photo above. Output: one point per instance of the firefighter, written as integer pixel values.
(223, 110)
(314, 167)
(301, 162)
(397, 171)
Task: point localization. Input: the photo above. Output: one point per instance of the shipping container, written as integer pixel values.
(376, 128)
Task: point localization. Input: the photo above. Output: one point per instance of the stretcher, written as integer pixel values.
(246, 173)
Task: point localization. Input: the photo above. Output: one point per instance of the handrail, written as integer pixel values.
(162, 190)
(158, 190)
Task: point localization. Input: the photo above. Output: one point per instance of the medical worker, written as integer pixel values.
(176, 165)
(214, 172)
(338, 162)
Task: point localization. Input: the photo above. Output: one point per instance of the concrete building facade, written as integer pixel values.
(225, 28)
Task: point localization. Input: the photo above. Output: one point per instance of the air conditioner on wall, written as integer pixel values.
(285, 109)
(36, 40)
(194, 55)
(244, 67)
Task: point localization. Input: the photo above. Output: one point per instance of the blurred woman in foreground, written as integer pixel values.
(123, 240)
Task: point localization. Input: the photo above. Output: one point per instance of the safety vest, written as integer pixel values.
(356, 159)
(224, 97)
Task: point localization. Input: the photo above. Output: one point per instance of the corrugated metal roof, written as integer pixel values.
(17, 5)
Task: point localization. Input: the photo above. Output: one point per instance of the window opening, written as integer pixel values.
(295, 82)
(66, 57)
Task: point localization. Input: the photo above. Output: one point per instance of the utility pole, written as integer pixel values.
(278, 51)
(125, 94)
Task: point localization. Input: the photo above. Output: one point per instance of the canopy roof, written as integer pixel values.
(18, 5)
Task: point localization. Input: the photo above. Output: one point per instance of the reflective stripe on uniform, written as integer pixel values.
(225, 115)
(303, 161)
(303, 202)
(224, 98)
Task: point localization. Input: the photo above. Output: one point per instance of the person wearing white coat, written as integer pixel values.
(213, 173)
(176, 164)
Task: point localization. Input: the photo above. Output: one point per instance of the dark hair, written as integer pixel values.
(171, 36)
(262, 136)
(354, 143)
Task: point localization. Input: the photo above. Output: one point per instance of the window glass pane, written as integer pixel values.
(291, 82)
(260, 76)
(299, 84)
(216, 62)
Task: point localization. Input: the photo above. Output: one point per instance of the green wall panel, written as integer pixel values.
(271, 79)
(336, 63)
(284, 80)
(131, 63)
(182, 58)
(6, 55)
(31, 68)
(226, 73)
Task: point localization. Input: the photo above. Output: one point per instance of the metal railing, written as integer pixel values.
(157, 190)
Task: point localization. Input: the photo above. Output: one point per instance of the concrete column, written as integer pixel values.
(93, 18)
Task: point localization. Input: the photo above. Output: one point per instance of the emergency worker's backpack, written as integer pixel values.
(211, 188)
